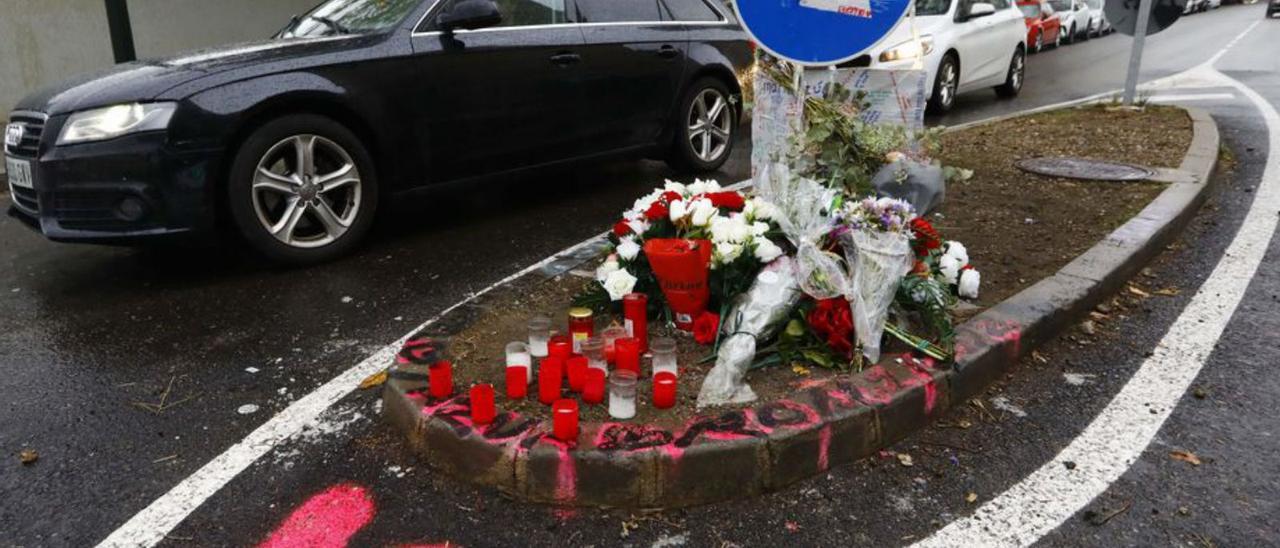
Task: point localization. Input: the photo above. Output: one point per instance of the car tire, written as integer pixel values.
(706, 129)
(309, 215)
(945, 85)
(1012, 85)
(1071, 35)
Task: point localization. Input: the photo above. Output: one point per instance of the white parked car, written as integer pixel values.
(1097, 19)
(964, 45)
(1075, 19)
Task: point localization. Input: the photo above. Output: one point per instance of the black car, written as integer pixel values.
(294, 141)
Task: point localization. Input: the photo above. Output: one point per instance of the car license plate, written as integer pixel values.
(19, 173)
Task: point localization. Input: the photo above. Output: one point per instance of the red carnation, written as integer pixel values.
(927, 238)
(622, 228)
(656, 211)
(832, 321)
(706, 327)
(730, 200)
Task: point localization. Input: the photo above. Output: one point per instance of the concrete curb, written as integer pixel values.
(766, 447)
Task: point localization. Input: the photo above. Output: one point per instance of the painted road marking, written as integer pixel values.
(149, 527)
(1120, 434)
(1191, 97)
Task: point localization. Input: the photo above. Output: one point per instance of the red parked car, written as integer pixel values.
(1043, 25)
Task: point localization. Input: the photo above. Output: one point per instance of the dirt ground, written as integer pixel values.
(1018, 227)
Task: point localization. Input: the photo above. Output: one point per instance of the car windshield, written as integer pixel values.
(1061, 5)
(1030, 10)
(933, 7)
(349, 17)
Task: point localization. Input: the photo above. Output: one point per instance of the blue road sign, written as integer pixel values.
(819, 32)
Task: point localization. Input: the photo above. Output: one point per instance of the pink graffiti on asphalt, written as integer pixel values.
(328, 519)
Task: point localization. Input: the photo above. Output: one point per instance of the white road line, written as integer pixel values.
(1117, 438)
(1191, 97)
(153, 523)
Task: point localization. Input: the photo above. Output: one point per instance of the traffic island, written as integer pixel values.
(1039, 278)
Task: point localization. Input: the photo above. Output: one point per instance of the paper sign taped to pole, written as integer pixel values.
(856, 8)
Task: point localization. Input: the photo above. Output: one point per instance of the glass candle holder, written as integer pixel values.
(564, 420)
(664, 356)
(539, 335)
(664, 390)
(611, 336)
(440, 377)
(593, 349)
(517, 386)
(582, 326)
(622, 394)
(576, 368)
(550, 377)
(518, 354)
(628, 354)
(593, 391)
(483, 407)
(560, 346)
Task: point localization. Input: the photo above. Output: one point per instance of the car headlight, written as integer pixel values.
(910, 49)
(111, 122)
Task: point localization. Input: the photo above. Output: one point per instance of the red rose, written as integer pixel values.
(926, 237)
(706, 327)
(622, 228)
(730, 200)
(671, 196)
(832, 321)
(656, 211)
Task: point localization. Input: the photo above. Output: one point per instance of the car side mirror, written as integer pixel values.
(470, 15)
(981, 9)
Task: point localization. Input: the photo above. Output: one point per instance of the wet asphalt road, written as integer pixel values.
(92, 340)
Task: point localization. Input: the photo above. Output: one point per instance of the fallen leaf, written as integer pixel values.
(800, 370)
(1185, 456)
(971, 498)
(28, 456)
(905, 459)
(1169, 292)
(376, 379)
(1138, 292)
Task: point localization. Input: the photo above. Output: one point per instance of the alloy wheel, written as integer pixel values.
(710, 123)
(1017, 70)
(1039, 42)
(306, 191)
(947, 88)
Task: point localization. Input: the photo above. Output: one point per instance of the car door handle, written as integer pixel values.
(668, 52)
(565, 59)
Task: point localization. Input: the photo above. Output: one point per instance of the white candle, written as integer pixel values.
(518, 354)
(622, 407)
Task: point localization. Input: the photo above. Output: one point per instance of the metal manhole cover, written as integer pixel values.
(1081, 168)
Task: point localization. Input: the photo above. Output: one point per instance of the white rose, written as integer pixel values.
(642, 204)
(703, 211)
(678, 211)
(606, 268)
(759, 229)
(950, 268)
(767, 251)
(739, 230)
(711, 185)
(673, 186)
(619, 284)
(628, 248)
(728, 251)
(763, 210)
(638, 226)
(957, 250)
(720, 229)
(969, 282)
(749, 209)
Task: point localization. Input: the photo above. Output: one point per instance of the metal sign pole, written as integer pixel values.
(1135, 57)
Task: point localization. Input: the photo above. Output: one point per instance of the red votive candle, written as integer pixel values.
(482, 405)
(561, 346)
(564, 421)
(440, 375)
(635, 310)
(664, 390)
(550, 378)
(628, 354)
(577, 372)
(517, 382)
(593, 390)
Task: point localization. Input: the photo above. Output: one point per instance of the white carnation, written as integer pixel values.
(628, 248)
(703, 211)
(672, 186)
(678, 211)
(606, 268)
(638, 226)
(728, 251)
(759, 229)
(950, 268)
(619, 284)
(969, 281)
(957, 250)
(739, 230)
(763, 210)
(767, 251)
(720, 229)
(703, 187)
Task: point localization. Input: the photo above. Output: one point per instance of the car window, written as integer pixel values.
(517, 13)
(1061, 5)
(933, 7)
(688, 10)
(617, 11)
(1000, 4)
(1029, 10)
(349, 17)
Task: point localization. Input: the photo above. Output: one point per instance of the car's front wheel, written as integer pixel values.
(945, 85)
(302, 189)
(1013, 79)
(707, 127)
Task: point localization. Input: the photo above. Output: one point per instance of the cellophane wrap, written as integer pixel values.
(755, 316)
(804, 215)
(877, 262)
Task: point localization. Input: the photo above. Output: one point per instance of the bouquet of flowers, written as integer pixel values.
(877, 246)
(940, 275)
